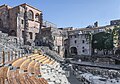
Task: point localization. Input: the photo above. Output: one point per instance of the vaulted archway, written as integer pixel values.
(30, 15)
(73, 50)
(12, 33)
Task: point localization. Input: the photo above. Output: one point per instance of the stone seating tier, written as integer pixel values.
(20, 69)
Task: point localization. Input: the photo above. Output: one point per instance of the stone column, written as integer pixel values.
(11, 55)
(8, 55)
(3, 54)
(26, 32)
(19, 54)
(15, 54)
(41, 22)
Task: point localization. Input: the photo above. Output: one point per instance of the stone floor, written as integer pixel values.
(72, 79)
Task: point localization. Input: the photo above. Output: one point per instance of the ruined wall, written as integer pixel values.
(8, 42)
(13, 21)
(4, 18)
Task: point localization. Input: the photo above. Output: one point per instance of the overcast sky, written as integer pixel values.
(74, 13)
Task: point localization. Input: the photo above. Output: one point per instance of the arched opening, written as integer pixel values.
(1, 23)
(30, 15)
(117, 52)
(12, 33)
(65, 53)
(37, 17)
(73, 50)
(28, 43)
(15, 40)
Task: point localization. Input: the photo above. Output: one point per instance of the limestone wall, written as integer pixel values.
(8, 42)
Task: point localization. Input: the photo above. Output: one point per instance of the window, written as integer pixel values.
(30, 33)
(30, 15)
(83, 41)
(12, 33)
(23, 34)
(37, 17)
(75, 36)
(22, 21)
(75, 41)
(37, 43)
(73, 50)
(83, 51)
(82, 47)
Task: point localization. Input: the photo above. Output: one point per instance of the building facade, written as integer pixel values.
(79, 43)
(52, 37)
(80, 40)
(22, 21)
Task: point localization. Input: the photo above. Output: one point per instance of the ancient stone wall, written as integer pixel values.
(8, 42)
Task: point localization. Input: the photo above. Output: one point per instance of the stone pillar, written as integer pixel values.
(3, 54)
(26, 32)
(41, 22)
(11, 55)
(8, 55)
(15, 54)
(19, 54)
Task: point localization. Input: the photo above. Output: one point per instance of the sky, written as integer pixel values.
(74, 13)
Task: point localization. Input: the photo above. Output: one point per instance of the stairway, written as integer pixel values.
(32, 70)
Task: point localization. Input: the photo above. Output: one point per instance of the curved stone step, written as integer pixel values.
(52, 62)
(46, 61)
(37, 69)
(12, 76)
(35, 57)
(3, 74)
(43, 81)
(32, 55)
(36, 80)
(31, 67)
(25, 64)
(41, 60)
(27, 79)
(2, 80)
(42, 57)
(18, 62)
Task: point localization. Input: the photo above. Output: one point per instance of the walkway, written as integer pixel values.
(91, 64)
(72, 79)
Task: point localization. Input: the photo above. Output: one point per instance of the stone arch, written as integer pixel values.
(12, 33)
(117, 52)
(37, 17)
(28, 43)
(30, 15)
(73, 50)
